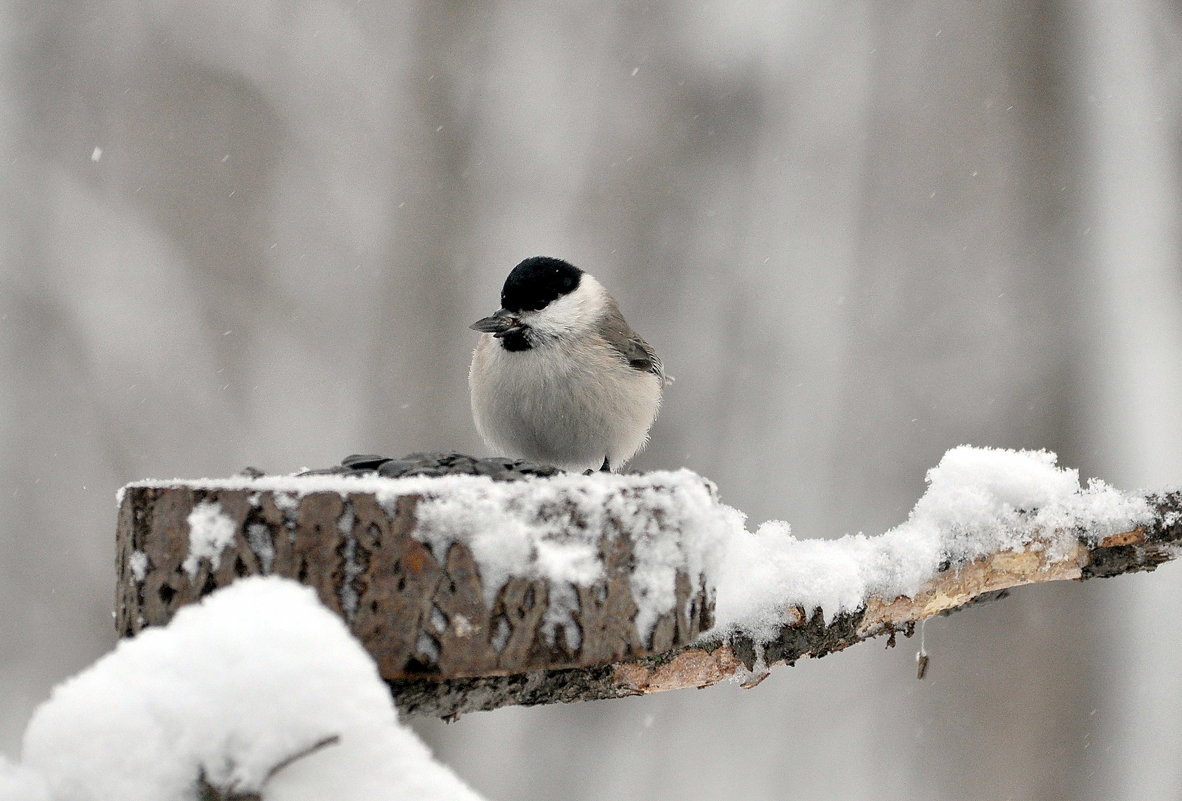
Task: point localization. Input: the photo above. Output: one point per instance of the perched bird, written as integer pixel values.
(558, 376)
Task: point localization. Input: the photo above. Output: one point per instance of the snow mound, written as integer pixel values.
(256, 674)
(19, 783)
(978, 501)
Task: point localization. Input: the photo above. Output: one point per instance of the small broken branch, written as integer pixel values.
(207, 791)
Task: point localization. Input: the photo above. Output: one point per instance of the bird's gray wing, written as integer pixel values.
(629, 344)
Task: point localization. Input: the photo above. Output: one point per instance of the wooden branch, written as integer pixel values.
(422, 615)
(444, 651)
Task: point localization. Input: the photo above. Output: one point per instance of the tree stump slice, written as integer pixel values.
(420, 608)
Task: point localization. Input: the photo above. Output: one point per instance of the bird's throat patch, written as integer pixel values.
(515, 340)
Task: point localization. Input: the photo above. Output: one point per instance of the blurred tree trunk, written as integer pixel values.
(1128, 89)
(970, 151)
(430, 220)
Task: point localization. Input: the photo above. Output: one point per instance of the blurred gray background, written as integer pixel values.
(859, 234)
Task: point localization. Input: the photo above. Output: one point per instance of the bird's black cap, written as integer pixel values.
(537, 281)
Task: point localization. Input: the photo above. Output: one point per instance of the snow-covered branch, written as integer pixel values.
(1069, 553)
(472, 593)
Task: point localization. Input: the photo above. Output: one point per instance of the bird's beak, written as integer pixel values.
(499, 324)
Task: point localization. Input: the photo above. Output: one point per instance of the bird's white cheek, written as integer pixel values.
(569, 315)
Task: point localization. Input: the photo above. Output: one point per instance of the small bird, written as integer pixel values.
(558, 376)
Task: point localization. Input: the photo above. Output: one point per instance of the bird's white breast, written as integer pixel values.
(568, 407)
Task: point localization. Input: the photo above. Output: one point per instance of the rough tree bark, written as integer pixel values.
(419, 616)
(436, 642)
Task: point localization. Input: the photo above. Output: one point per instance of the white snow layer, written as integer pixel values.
(257, 673)
(18, 783)
(210, 531)
(974, 505)
(550, 529)
(138, 562)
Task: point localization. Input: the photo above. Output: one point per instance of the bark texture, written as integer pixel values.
(418, 616)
